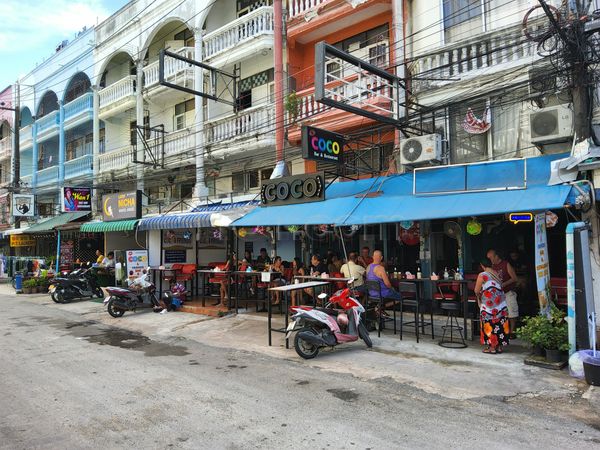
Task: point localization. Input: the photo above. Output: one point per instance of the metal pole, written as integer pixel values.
(278, 56)
(17, 149)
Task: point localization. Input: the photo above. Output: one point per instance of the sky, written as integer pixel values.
(30, 30)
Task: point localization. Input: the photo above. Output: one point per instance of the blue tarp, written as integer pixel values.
(391, 199)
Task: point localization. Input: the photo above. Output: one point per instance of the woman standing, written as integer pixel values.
(231, 265)
(297, 271)
(492, 309)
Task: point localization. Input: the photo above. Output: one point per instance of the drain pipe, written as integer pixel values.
(571, 227)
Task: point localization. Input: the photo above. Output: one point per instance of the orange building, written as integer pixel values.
(365, 31)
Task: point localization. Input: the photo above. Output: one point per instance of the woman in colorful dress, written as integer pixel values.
(492, 309)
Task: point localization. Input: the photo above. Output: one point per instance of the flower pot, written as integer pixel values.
(554, 355)
(591, 369)
(537, 350)
(26, 290)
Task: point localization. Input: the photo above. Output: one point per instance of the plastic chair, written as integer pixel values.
(187, 273)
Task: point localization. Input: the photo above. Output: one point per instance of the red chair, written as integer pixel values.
(446, 291)
(187, 273)
(558, 289)
(170, 276)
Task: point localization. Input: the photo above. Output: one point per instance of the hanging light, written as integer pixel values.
(474, 227)
(406, 224)
(242, 232)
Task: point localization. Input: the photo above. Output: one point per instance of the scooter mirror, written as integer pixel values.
(322, 295)
(351, 280)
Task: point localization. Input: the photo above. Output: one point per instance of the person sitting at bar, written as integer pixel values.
(376, 272)
(365, 259)
(109, 261)
(353, 270)
(99, 257)
(297, 271)
(229, 266)
(248, 258)
(263, 259)
(317, 268)
(334, 263)
(493, 308)
(277, 277)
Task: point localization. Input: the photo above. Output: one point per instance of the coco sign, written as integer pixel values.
(290, 190)
(322, 145)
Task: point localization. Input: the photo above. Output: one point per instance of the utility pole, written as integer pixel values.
(16, 156)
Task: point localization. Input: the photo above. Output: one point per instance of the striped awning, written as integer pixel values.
(105, 227)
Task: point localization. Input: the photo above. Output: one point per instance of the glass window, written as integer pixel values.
(237, 182)
(467, 147)
(462, 19)
(253, 179)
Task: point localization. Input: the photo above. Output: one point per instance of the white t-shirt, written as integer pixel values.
(353, 270)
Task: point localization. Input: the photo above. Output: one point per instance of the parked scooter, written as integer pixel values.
(141, 293)
(327, 327)
(78, 284)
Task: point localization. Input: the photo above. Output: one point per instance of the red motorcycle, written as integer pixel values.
(327, 327)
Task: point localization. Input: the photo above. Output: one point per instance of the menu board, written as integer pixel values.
(66, 252)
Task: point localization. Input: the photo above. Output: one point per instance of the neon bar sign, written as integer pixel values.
(322, 145)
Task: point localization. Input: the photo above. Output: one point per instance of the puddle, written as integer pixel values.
(344, 394)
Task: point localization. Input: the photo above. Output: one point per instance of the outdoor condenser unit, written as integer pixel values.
(552, 124)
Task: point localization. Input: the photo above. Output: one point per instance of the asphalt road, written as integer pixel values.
(70, 383)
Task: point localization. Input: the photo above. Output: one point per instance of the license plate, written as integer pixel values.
(290, 328)
(106, 300)
(51, 288)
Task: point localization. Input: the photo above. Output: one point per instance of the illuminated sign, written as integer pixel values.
(124, 205)
(322, 145)
(289, 190)
(76, 199)
(520, 217)
(21, 240)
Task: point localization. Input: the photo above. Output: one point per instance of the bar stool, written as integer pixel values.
(374, 286)
(411, 297)
(455, 340)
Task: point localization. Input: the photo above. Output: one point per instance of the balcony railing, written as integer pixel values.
(47, 122)
(78, 167)
(47, 176)
(25, 137)
(117, 91)
(258, 22)
(179, 142)
(174, 68)
(5, 147)
(79, 106)
(26, 180)
(297, 7)
(115, 159)
(256, 120)
(471, 58)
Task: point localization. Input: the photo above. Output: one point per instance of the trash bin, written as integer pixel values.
(19, 282)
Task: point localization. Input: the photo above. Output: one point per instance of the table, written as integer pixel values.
(206, 273)
(464, 294)
(240, 273)
(286, 289)
(160, 271)
(329, 280)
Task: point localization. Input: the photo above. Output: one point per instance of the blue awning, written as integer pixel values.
(391, 198)
(340, 199)
(213, 215)
(395, 201)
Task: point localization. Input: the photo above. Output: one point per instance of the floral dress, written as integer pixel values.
(493, 312)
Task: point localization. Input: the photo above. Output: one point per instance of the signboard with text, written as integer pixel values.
(76, 199)
(21, 240)
(542, 263)
(290, 190)
(23, 205)
(322, 145)
(122, 205)
(137, 261)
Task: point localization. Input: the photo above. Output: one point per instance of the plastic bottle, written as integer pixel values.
(446, 274)
(419, 274)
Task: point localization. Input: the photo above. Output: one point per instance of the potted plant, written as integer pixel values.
(557, 337)
(29, 286)
(292, 106)
(530, 333)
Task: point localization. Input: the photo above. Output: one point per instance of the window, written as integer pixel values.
(265, 174)
(179, 120)
(243, 7)
(466, 147)
(187, 36)
(253, 179)
(244, 181)
(244, 100)
(246, 85)
(46, 209)
(237, 182)
(462, 19)
(133, 132)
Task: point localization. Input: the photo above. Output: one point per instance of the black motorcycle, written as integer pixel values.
(141, 294)
(80, 283)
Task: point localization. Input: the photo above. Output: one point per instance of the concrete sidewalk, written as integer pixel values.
(451, 373)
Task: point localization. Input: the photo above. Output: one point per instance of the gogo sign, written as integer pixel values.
(321, 145)
(289, 190)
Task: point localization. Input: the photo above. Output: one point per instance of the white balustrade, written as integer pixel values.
(173, 68)
(470, 58)
(123, 88)
(259, 119)
(79, 105)
(297, 7)
(47, 176)
(25, 137)
(5, 147)
(26, 180)
(256, 23)
(115, 159)
(47, 122)
(179, 142)
(78, 167)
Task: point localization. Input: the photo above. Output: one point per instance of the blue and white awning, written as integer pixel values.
(213, 215)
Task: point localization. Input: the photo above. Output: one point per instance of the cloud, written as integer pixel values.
(35, 24)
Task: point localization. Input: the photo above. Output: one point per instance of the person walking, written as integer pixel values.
(493, 310)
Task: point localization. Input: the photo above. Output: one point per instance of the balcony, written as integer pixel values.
(5, 148)
(47, 126)
(47, 176)
(117, 97)
(252, 127)
(115, 159)
(79, 110)
(180, 143)
(300, 7)
(466, 60)
(26, 180)
(176, 71)
(25, 137)
(79, 167)
(240, 39)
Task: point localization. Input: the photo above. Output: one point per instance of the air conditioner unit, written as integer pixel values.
(552, 124)
(421, 149)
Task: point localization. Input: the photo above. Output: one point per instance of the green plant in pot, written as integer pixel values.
(292, 105)
(29, 286)
(532, 332)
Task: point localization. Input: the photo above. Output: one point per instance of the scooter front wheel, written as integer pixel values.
(305, 349)
(98, 292)
(113, 310)
(58, 296)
